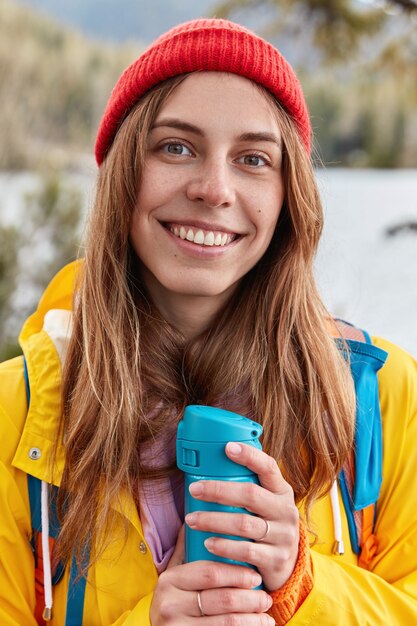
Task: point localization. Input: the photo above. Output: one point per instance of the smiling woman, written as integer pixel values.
(197, 287)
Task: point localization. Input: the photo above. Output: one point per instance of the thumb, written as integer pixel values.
(178, 555)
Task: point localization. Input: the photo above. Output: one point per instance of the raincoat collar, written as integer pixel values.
(42, 340)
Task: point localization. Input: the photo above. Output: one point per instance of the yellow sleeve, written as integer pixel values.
(344, 593)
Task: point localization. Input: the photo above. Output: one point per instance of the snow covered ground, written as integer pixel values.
(366, 276)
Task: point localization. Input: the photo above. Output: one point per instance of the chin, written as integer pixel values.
(199, 287)
(198, 291)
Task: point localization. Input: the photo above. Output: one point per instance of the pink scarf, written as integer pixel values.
(161, 506)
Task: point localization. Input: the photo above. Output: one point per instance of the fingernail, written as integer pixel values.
(191, 520)
(196, 489)
(256, 580)
(209, 543)
(234, 448)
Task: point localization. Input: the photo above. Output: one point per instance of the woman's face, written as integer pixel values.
(211, 190)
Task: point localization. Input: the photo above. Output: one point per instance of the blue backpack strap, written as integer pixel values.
(361, 478)
(76, 594)
(77, 583)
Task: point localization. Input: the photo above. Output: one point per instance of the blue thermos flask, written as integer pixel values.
(201, 439)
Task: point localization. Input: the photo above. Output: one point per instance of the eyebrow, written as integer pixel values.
(261, 136)
(173, 122)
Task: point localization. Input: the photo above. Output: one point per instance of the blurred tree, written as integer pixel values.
(336, 26)
(54, 216)
(407, 5)
(47, 240)
(9, 245)
(53, 87)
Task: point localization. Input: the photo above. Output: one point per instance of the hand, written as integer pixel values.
(274, 554)
(224, 589)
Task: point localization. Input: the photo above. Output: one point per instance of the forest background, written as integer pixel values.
(357, 61)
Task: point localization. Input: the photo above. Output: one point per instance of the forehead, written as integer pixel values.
(209, 97)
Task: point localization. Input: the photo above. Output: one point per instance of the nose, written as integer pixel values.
(212, 185)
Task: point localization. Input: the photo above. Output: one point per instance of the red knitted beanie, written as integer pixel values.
(211, 45)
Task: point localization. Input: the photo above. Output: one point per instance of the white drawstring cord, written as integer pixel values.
(338, 547)
(47, 577)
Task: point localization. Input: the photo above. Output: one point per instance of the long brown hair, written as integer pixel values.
(128, 374)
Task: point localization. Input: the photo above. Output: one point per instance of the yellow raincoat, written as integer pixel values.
(120, 585)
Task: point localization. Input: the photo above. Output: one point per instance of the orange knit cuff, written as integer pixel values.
(288, 599)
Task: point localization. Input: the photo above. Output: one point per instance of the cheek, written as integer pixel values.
(158, 185)
(267, 216)
(267, 200)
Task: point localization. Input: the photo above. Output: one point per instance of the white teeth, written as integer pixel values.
(209, 239)
(199, 238)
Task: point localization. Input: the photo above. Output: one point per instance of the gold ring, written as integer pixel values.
(202, 614)
(267, 529)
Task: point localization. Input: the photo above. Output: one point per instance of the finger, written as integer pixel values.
(178, 555)
(265, 466)
(212, 575)
(261, 556)
(274, 563)
(238, 524)
(225, 601)
(247, 495)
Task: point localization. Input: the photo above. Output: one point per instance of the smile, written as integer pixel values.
(202, 237)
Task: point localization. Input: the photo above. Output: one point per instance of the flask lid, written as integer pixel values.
(211, 424)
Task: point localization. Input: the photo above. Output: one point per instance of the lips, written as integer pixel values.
(200, 236)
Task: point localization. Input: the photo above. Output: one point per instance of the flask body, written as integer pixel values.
(201, 440)
(195, 549)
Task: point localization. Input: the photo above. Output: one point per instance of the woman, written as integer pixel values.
(197, 287)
